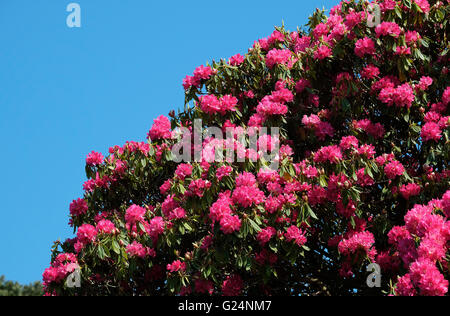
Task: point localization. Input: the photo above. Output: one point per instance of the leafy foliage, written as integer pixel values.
(8, 288)
(363, 171)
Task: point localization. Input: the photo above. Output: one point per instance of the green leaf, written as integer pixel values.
(323, 181)
(311, 212)
(101, 252)
(116, 247)
(187, 226)
(254, 225)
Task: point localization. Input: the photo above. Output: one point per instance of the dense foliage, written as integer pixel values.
(9, 288)
(362, 177)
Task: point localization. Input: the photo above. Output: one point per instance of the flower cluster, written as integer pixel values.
(363, 121)
(425, 223)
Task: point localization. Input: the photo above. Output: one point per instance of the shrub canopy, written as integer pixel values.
(362, 174)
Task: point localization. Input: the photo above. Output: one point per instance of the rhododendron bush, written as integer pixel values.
(362, 171)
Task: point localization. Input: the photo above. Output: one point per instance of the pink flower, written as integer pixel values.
(273, 205)
(245, 179)
(323, 52)
(302, 84)
(446, 203)
(411, 37)
(267, 107)
(302, 44)
(210, 104)
(223, 172)
(346, 211)
(204, 286)
(323, 130)
(404, 96)
(358, 241)
(446, 96)
(276, 37)
(232, 286)
(364, 46)
(424, 83)
(364, 179)
(311, 172)
(403, 51)
(136, 250)
(228, 103)
(419, 220)
(432, 117)
(398, 233)
(203, 73)
(246, 196)
(230, 224)
(425, 275)
(388, 5)
(332, 154)
(388, 29)
(375, 130)
(394, 169)
(282, 95)
(317, 195)
(78, 207)
(431, 131)
(370, 72)
(278, 57)
(433, 247)
(198, 187)
(424, 5)
(236, 60)
(256, 120)
(156, 227)
(268, 175)
(266, 256)
(165, 187)
(220, 208)
(265, 235)
(207, 242)
(405, 286)
(94, 159)
(86, 234)
(189, 82)
(168, 205)
(134, 214)
(410, 190)
(178, 213)
(349, 142)
(161, 129)
(295, 234)
(320, 30)
(338, 32)
(311, 121)
(106, 227)
(176, 266)
(183, 171)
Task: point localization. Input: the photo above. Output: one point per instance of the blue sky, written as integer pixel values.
(65, 92)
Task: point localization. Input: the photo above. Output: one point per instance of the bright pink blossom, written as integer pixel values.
(365, 46)
(236, 60)
(412, 189)
(295, 234)
(232, 286)
(94, 159)
(78, 207)
(265, 235)
(431, 132)
(394, 169)
(161, 129)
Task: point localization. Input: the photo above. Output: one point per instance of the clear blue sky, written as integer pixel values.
(65, 92)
